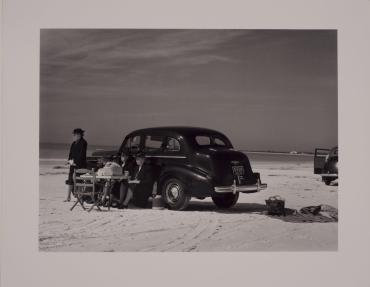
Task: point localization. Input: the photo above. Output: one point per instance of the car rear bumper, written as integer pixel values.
(241, 188)
(329, 175)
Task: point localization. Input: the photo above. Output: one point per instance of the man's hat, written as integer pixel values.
(78, 131)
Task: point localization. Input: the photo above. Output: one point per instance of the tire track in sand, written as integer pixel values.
(206, 227)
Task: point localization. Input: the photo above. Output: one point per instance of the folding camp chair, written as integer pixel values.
(84, 184)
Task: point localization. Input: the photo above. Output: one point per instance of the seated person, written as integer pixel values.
(140, 192)
(119, 191)
(128, 166)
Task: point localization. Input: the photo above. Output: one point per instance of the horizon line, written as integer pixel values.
(296, 152)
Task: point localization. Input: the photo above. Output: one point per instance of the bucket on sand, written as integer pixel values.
(275, 205)
(158, 202)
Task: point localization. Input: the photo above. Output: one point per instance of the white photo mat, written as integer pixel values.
(21, 262)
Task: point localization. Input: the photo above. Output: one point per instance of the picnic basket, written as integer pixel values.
(110, 169)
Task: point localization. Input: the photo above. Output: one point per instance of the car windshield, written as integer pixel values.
(212, 141)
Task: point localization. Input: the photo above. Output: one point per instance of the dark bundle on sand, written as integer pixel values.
(320, 213)
(311, 210)
(329, 210)
(309, 214)
(323, 209)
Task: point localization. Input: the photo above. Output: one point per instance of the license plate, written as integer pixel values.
(238, 170)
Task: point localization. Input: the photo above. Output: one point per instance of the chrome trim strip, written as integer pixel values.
(167, 156)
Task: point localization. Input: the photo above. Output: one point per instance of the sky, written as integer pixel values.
(265, 89)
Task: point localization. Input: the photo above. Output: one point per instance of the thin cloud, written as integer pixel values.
(253, 82)
(157, 46)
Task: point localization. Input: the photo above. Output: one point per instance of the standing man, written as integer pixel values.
(76, 158)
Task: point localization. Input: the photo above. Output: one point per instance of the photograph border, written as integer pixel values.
(22, 263)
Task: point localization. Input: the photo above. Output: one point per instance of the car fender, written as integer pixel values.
(187, 174)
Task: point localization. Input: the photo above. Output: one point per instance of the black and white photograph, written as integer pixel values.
(188, 140)
(184, 143)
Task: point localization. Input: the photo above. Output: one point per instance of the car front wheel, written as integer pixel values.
(174, 194)
(225, 200)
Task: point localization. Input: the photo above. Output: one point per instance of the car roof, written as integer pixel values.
(180, 130)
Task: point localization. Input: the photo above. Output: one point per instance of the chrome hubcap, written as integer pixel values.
(173, 191)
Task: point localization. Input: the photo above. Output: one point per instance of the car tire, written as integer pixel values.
(225, 200)
(327, 181)
(174, 194)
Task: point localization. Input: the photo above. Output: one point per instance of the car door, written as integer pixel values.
(153, 145)
(164, 151)
(172, 147)
(320, 158)
(173, 155)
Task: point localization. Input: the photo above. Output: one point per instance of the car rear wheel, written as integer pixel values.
(327, 181)
(226, 200)
(174, 194)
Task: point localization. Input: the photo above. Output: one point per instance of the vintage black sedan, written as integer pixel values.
(326, 164)
(190, 162)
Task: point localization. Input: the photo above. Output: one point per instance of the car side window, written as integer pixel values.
(154, 143)
(203, 140)
(133, 142)
(172, 145)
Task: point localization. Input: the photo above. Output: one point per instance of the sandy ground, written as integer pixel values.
(202, 227)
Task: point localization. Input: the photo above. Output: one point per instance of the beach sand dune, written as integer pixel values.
(202, 227)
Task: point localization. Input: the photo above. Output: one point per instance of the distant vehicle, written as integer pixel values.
(190, 162)
(326, 164)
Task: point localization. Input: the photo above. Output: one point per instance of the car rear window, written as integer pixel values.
(172, 145)
(219, 142)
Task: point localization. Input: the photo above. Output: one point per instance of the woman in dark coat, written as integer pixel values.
(128, 165)
(76, 158)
